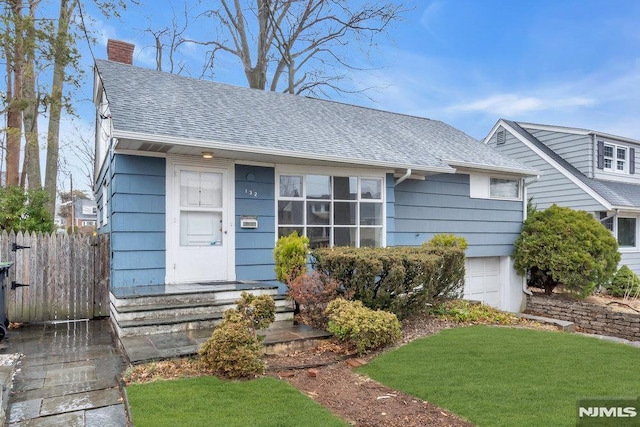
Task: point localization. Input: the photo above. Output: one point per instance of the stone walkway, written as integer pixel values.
(67, 375)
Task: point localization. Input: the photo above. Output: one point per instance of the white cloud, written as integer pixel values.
(517, 104)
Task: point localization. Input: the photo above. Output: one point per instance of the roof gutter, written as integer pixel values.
(490, 168)
(215, 145)
(404, 177)
(525, 184)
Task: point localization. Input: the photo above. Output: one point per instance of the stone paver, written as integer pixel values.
(67, 375)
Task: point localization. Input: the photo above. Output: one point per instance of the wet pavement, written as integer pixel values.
(67, 375)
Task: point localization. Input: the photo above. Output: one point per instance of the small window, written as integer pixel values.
(500, 137)
(504, 188)
(606, 220)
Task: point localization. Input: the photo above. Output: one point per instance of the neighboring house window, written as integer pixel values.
(616, 158)
(607, 221)
(504, 188)
(332, 210)
(624, 228)
(88, 223)
(627, 232)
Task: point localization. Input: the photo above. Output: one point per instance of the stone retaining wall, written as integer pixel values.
(590, 318)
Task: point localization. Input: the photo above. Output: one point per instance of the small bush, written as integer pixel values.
(361, 327)
(448, 241)
(290, 255)
(461, 311)
(313, 292)
(234, 349)
(562, 246)
(260, 311)
(625, 282)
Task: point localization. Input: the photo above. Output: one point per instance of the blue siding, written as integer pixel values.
(137, 221)
(441, 204)
(254, 189)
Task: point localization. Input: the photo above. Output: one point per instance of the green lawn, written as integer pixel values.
(510, 377)
(209, 401)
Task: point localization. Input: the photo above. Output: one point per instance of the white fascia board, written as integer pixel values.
(489, 168)
(492, 131)
(613, 138)
(578, 131)
(552, 128)
(622, 209)
(584, 187)
(97, 87)
(213, 145)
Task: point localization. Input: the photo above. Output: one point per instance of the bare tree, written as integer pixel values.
(169, 39)
(308, 40)
(62, 56)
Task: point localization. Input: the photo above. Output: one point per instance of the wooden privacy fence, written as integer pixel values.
(67, 276)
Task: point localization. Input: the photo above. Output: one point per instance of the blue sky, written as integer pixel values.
(470, 62)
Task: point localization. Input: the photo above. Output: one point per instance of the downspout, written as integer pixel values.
(525, 202)
(404, 177)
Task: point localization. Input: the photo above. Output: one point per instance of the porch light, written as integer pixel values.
(207, 155)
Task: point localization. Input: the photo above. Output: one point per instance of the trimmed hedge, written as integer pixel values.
(403, 280)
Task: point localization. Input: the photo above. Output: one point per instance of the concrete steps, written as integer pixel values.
(174, 312)
(280, 338)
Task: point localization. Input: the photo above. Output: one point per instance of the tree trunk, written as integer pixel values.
(30, 115)
(14, 111)
(61, 59)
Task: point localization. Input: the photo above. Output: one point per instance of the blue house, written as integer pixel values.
(196, 180)
(581, 169)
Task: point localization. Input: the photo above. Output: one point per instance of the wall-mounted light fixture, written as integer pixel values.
(207, 155)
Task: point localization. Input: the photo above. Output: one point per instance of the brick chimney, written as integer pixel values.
(120, 51)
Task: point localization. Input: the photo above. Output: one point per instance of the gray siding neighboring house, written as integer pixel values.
(581, 169)
(196, 180)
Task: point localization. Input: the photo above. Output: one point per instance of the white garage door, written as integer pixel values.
(482, 281)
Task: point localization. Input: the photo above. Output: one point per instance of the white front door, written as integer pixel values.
(199, 225)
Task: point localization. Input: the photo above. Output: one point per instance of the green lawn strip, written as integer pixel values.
(510, 377)
(208, 401)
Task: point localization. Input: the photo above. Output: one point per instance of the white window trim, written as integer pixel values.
(614, 159)
(626, 249)
(480, 187)
(332, 171)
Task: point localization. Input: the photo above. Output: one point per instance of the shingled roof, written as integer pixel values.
(151, 105)
(618, 194)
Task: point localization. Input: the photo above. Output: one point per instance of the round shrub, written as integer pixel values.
(562, 246)
(233, 351)
(361, 327)
(624, 282)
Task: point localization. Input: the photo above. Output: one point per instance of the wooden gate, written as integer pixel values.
(67, 276)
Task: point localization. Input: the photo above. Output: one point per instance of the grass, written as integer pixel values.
(208, 401)
(496, 376)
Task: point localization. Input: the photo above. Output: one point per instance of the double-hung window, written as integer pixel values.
(332, 210)
(616, 158)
